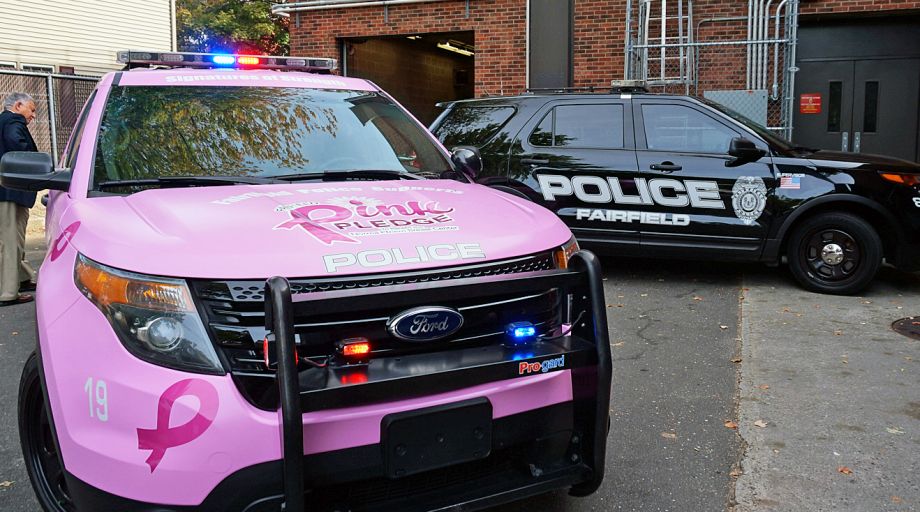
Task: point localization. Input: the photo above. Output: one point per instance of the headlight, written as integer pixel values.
(565, 252)
(154, 317)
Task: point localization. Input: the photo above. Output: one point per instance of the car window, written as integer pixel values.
(472, 126)
(680, 128)
(583, 126)
(77, 134)
(256, 131)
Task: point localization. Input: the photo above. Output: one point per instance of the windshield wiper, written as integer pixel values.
(347, 174)
(187, 181)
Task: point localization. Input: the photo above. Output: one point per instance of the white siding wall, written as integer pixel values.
(84, 34)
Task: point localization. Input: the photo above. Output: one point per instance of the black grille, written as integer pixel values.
(236, 318)
(253, 291)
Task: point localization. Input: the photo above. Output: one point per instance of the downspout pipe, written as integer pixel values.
(318, 5)
(750, 34)
(775, 91)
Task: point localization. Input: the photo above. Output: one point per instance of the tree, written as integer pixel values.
(232, 26)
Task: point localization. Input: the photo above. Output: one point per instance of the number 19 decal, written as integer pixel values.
(917, 202)
(98, 396)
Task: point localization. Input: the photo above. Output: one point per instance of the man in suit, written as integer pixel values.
(16, 275)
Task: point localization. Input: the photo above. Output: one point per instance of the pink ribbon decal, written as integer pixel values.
(163, 437)
(63, 240)
(304, 218)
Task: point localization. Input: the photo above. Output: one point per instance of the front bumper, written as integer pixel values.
(536, 451)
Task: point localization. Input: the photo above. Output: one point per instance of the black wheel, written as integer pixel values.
(38, 446)
(834, 253)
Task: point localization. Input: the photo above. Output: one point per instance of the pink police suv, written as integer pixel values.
(269, 288)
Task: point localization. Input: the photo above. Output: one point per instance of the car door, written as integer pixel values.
(569, 152)
(704, 204)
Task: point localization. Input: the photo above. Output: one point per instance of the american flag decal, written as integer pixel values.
(790, 182)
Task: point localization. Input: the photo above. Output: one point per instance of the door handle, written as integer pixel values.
(665, 166)
(534, 161)
(856, 142)
(845, 141)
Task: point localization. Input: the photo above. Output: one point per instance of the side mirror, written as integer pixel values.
(744, 152)
(467, 160)
(29, 171)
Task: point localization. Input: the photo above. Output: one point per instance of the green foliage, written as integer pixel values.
(234, 26)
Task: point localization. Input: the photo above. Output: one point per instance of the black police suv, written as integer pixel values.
(677, 176)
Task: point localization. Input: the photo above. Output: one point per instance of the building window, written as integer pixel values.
(38, 68)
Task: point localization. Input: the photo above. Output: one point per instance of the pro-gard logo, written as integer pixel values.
(525, 368)
(427, 323)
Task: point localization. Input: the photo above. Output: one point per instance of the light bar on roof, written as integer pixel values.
(143, 58)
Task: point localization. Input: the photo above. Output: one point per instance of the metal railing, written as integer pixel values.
(58, 101)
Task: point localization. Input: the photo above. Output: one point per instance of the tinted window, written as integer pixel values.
(148, 132)
(591, 126)
(583, 126)
(472, 126)
(543, 134)
(679, 128)
(77, 134)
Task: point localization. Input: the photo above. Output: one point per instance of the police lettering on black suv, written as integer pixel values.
(677, 176)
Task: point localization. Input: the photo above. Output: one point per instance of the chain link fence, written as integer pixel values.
(58, 101)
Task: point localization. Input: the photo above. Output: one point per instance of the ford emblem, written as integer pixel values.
(426, 323)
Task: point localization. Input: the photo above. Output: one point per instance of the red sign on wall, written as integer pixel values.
(810, 103)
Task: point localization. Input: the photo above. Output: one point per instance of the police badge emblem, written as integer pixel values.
(749, 198)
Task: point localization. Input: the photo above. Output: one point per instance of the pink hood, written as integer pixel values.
(310, 229)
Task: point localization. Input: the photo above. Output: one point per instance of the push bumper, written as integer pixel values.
(582, 284)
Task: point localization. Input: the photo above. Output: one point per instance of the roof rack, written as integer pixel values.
(146, 59)
(616, 86)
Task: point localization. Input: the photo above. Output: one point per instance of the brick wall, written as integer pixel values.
(599, 35)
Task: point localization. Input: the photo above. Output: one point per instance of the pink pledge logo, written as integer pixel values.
(330, 223)
(63, 240)
(164, 437)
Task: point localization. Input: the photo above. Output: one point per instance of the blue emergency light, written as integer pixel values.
(224, 60)
(520, 332)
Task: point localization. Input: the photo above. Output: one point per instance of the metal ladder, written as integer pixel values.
(669, 25)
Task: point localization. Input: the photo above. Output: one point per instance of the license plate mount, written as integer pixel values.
(435, 437)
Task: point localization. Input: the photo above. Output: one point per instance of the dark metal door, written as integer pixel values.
(824, 105)
(885, 107)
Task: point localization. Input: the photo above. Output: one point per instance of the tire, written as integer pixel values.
(39, 447)
(836, 253)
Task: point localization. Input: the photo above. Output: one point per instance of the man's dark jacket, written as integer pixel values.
(14, 136)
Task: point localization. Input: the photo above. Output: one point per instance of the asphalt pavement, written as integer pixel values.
(683, 336)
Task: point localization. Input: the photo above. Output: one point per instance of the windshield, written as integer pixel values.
(771, 137)
(160, 132)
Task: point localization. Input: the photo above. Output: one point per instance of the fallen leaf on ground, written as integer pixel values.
(669, 435)
(760, 423)
(838, 332)
(15, 333)
(896, 499)
(643, 295)
(735, 473)
(764, 386)
(736, 360)
(845, 470)
(867, 302)
(619, 344)
(731, 424)
(6, 483)
(894, 430)
(697, 298)
(723, 327)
